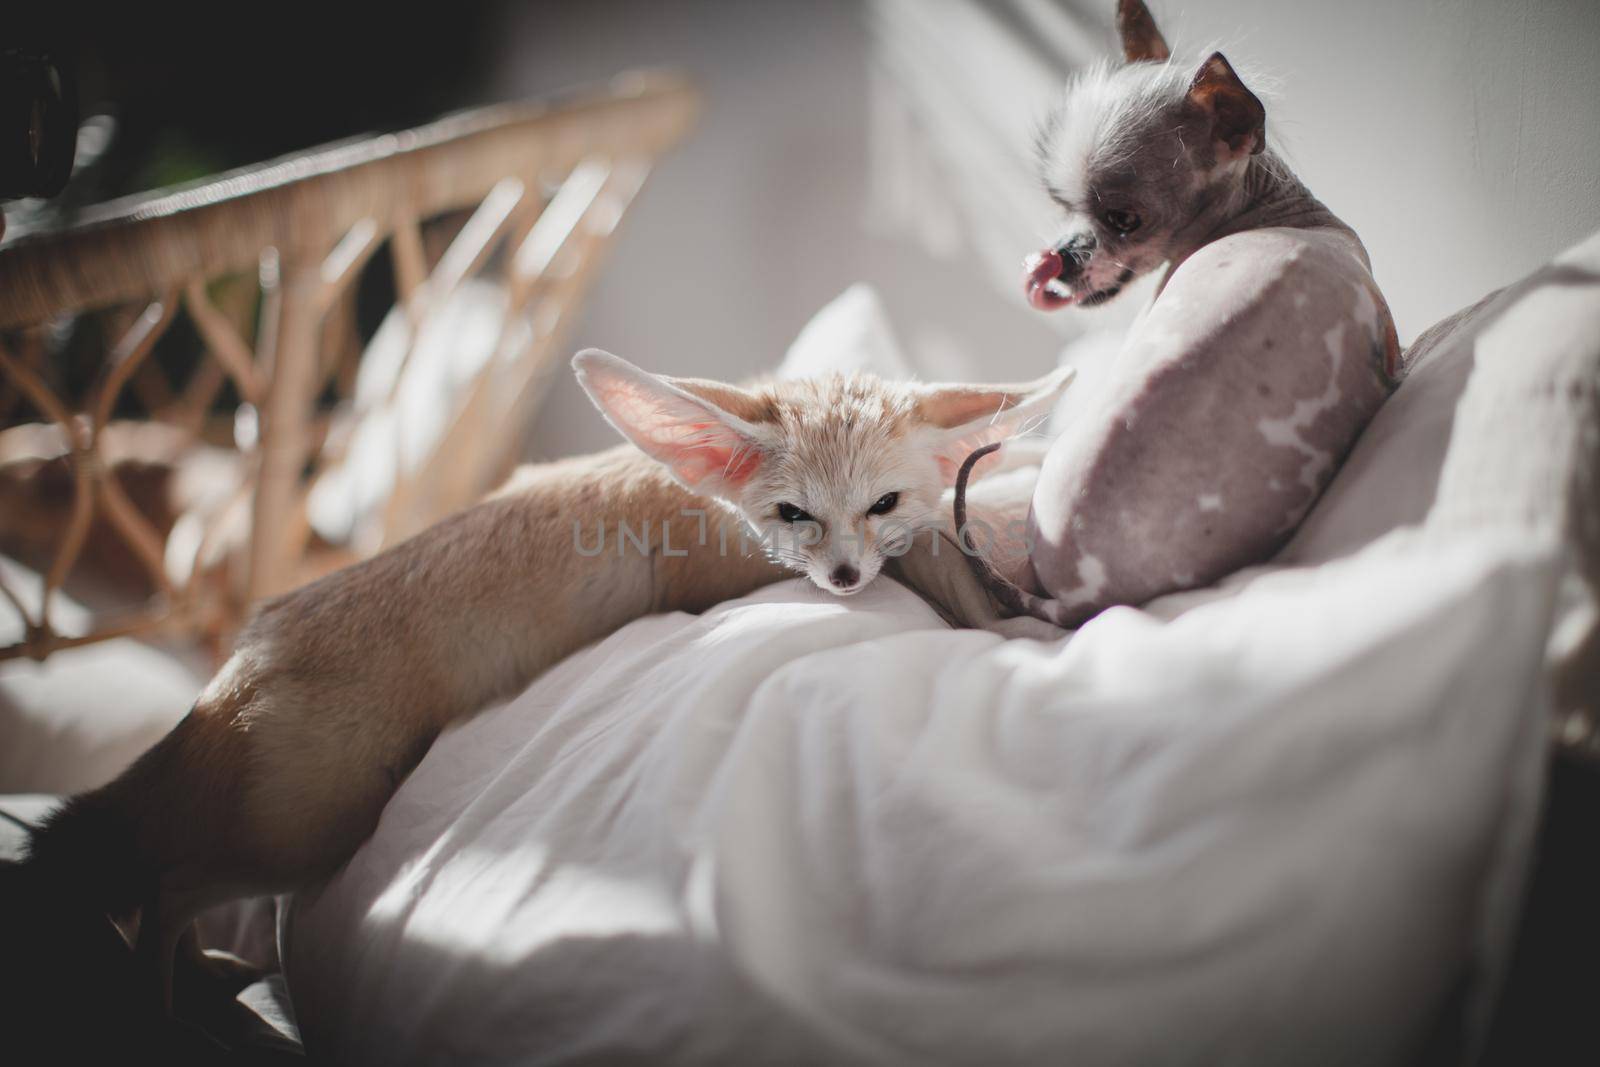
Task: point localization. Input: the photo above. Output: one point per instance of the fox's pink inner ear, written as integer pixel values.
(950, 464)
(712, 457)
(1140, 38)
(693, 441)
(1238, 119)
(708, 449)
(963, 441)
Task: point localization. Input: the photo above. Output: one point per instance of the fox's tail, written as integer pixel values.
(80, 999)
(1012, 597)
(109, 848)
(86, 851)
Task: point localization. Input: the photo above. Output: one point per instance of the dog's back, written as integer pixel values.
(1231, 405)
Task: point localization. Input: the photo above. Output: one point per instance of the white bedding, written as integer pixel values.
(1282, 820)
(797, 828)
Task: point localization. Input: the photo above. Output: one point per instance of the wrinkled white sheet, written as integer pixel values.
(1267, 823)
(1276, 821)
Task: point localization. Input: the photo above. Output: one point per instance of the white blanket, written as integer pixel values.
(1269, 830)
(1282, 820)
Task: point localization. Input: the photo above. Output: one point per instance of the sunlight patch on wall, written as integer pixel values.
(957, 92)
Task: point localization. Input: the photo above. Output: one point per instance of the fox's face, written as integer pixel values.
(834, 474)
(850, 474)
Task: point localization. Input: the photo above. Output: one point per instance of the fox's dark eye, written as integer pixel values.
(884, 504)
(790, 513)
(1124, 222)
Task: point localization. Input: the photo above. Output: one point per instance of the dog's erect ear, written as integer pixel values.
(1237, 118)
(971, 416)
(704, 432)
(1140, 38)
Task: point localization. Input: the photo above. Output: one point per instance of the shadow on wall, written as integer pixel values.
(772, 207)
(886, 141)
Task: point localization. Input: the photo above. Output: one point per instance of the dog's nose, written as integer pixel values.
(844, 576)
(1075, 253)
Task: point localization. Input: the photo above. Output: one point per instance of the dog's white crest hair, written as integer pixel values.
(1100, 116)
(1105, 110)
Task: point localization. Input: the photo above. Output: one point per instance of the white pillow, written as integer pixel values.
(1522, 348)
(850, 333)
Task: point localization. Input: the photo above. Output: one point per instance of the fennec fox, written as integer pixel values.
(335, 691)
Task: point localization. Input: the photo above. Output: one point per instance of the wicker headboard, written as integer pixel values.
(262, 268)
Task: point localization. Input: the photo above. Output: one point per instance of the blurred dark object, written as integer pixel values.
(1546, 1012)
(38, 122)
(190, 105)
(157, 110)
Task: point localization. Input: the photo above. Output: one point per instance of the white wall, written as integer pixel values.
(760, 218)
(841, 142)
(1461, 138)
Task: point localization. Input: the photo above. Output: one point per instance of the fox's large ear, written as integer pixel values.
(972, 416)
(1238, 121)
(1140, 38)
(700, 431)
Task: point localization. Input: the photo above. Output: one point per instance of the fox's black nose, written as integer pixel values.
(844, 576)
(1075, 252)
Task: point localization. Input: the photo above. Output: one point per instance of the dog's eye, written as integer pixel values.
(884, 504)
(790, 513)
(1124, 222)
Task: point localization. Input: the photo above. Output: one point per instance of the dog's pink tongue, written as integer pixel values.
(1043, 268)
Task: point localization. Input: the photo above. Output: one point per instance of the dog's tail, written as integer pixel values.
(1011, 597)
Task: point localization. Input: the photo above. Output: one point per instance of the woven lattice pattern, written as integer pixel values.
(179, 372)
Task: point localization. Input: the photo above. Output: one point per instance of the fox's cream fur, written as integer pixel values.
(335, 691)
